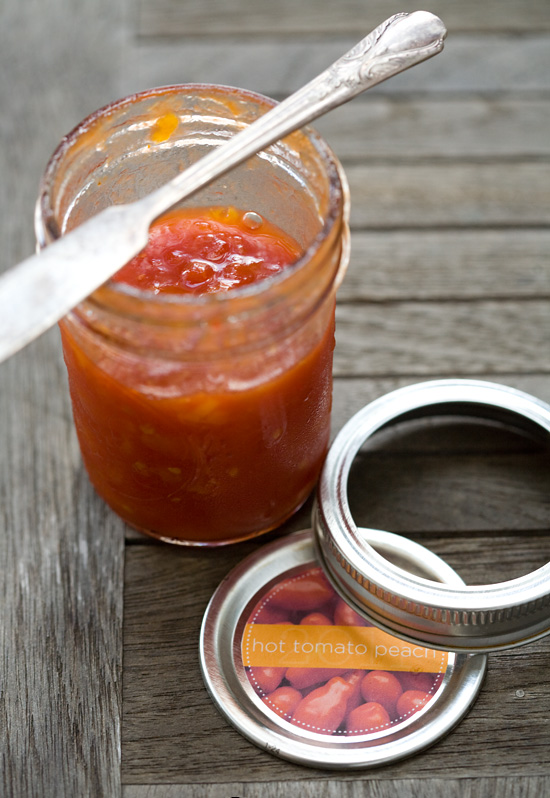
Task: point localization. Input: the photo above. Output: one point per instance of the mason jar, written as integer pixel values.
(202, 420)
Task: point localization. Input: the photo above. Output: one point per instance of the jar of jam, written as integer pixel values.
(202, 403)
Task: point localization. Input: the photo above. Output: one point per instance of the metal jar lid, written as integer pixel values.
(478, 618)
(245, 612)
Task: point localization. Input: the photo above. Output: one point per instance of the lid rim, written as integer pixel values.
(235, 700)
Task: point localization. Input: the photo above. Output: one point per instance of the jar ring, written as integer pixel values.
(478, 618)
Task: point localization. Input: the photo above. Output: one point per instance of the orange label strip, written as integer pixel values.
(350, 647)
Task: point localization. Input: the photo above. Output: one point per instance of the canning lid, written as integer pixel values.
(448, 616)
(301, 675)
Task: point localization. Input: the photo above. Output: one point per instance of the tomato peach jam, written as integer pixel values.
(220, 452)
(318, 664)
(201, 374)
(208, 250)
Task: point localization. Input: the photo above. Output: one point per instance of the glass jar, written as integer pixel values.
(202, 420)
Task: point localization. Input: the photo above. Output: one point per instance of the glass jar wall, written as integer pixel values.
(202, 420)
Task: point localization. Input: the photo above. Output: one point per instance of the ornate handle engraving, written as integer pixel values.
(399, 43)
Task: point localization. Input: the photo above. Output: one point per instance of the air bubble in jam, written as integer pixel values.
(252, 220)
(209, 250)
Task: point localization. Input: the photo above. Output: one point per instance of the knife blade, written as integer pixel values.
(39, 291)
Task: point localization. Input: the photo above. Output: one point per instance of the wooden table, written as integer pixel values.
(449, 166)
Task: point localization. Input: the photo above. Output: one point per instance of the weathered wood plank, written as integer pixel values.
(423, 338)
(520, 787)
(469, 64)
(61, 553)
(210, 18)
(374, 128)
(166, 594)
(43, 99)
(447, 491)
(446, 265)
(449, 195)
(353, 393)
(61, 614)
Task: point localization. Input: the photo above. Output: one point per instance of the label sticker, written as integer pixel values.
(321, 646)
(319, 665)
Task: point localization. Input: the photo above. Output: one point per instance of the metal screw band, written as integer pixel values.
(462, 618)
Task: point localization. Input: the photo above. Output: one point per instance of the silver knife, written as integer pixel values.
(43, 288)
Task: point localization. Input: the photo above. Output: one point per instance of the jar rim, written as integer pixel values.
(337, 206)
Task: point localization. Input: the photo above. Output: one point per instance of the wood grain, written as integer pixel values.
(450, 195)
(61, 614)
(447, 265)
(353, 393)
(442, 474)
(489, 64)
(461, 337)
(61, 552)
(374, 128)
(183, 18)
(520, 787)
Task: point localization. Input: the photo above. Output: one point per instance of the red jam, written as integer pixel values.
(207, 251)
(204, 464)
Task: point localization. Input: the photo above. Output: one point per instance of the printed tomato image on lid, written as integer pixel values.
(318, 664)
(299, 672)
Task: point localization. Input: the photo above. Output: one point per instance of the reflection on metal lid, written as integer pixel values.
(298, 672)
